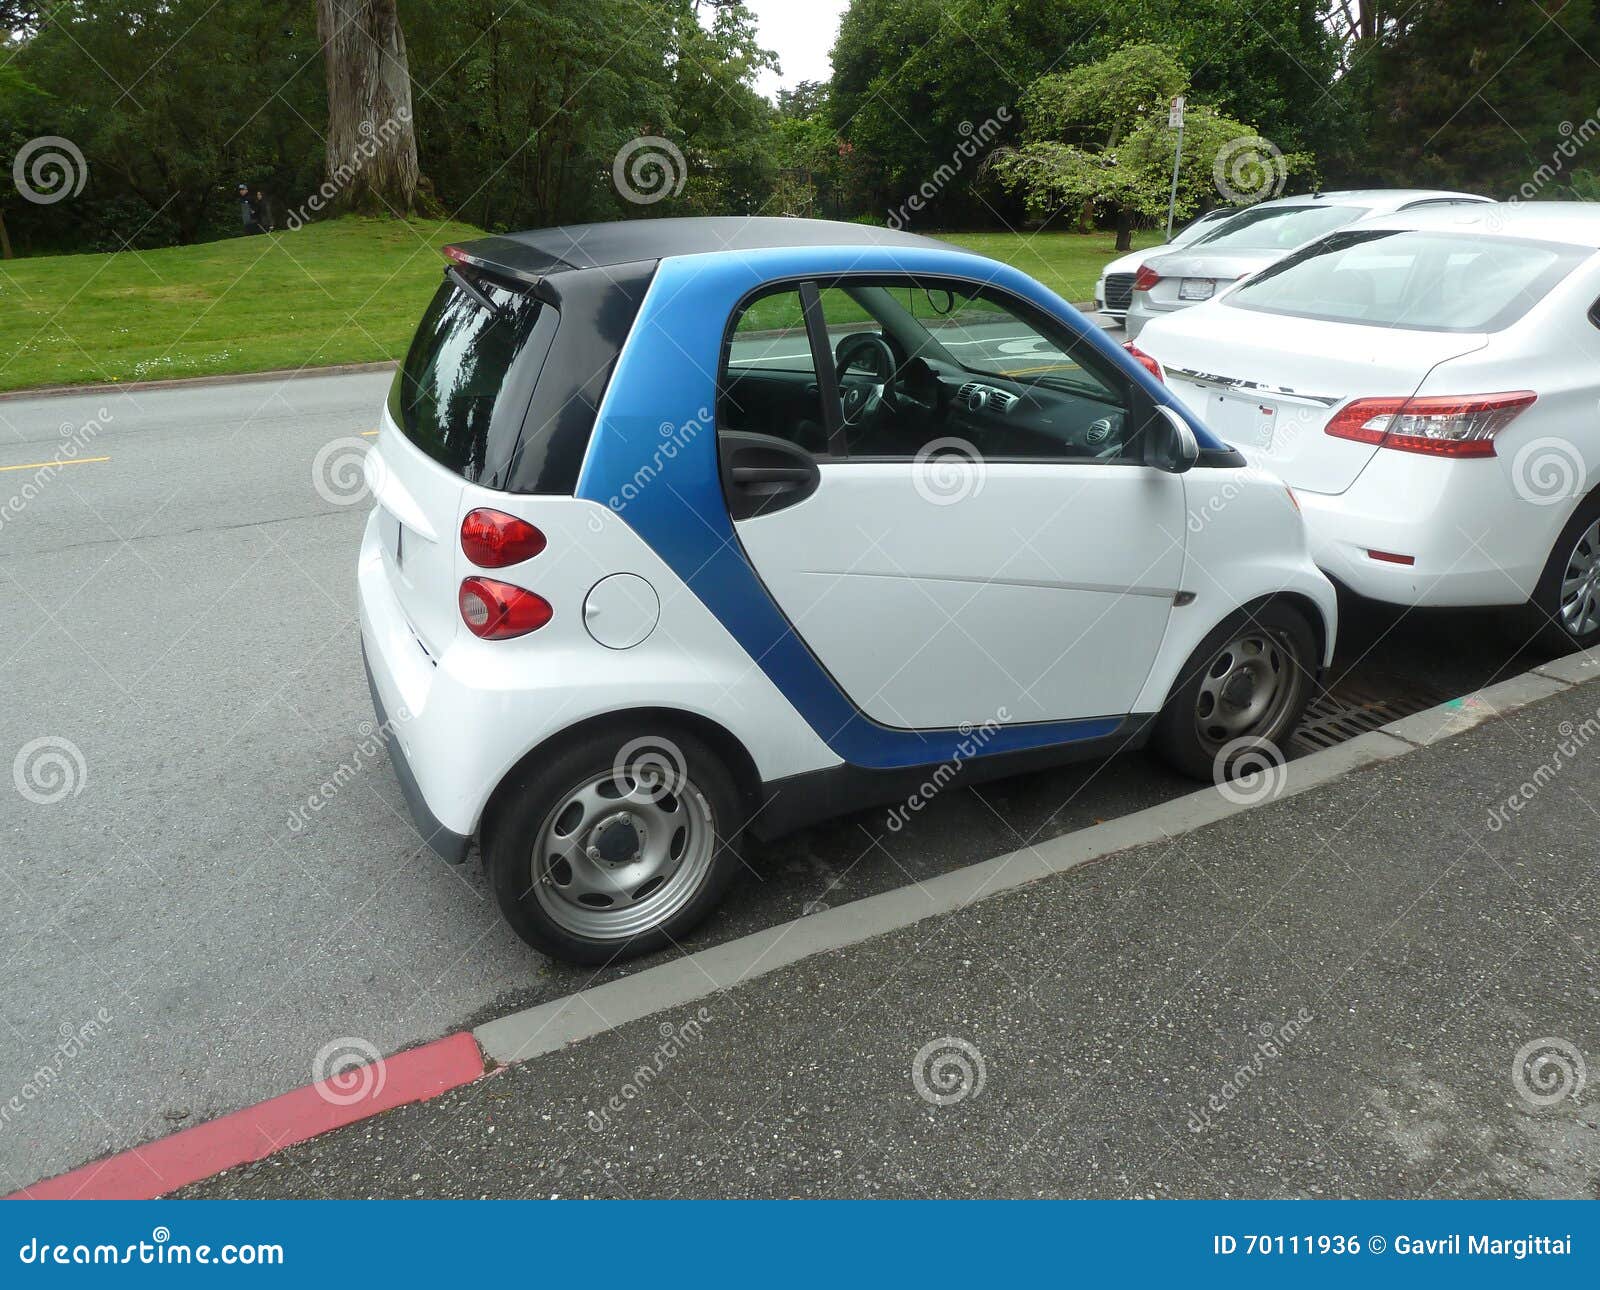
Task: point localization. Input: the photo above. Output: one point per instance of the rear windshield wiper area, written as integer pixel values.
(465, 285)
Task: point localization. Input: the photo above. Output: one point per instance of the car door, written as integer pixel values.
(984, 544)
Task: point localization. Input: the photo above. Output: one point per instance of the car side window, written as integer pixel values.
(925, 364)
(768, 382)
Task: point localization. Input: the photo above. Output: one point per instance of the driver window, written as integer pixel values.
(923, 363)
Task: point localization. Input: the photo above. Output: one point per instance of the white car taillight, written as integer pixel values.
(1450, 425)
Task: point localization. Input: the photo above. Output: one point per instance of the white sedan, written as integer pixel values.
(1428, 385)
(1114, 290)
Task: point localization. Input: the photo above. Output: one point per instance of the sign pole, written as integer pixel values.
(1175, 119)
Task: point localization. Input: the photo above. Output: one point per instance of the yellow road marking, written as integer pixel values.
(65, 461)
(369, 433)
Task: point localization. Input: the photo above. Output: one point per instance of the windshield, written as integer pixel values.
(1426, 281)
(1277, 228)
(1210, 222)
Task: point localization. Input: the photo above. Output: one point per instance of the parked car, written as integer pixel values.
(1257, 237)
(1429, 386)
(692, 531)
(1114, 289)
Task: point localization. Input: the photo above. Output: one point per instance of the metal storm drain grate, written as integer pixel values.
(1349, 710)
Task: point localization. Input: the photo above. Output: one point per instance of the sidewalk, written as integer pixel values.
(1324, 996)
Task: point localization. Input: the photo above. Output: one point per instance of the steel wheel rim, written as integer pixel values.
(635, 840)
(1247, 689)
(1579, 610)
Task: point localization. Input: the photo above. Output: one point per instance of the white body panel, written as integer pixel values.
(1042, 590)
(468, 715)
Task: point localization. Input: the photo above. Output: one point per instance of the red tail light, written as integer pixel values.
(1145, 278)
(1450, 425)
(497, 611)
(493, 539)
(1144, 360)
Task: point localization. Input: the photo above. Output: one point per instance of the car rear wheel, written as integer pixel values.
(1240, 694)
(616, 847)
(1565, 607)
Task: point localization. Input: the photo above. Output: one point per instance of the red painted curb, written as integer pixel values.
(162, 1166)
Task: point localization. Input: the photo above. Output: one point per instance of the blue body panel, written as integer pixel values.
(664, 389)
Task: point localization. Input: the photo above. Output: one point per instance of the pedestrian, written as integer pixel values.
(247, 212)
(263, 209)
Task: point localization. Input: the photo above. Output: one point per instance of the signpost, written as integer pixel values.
(1175, 122)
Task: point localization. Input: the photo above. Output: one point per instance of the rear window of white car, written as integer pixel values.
(1424, 281)
(1278, 228)
(446, 394)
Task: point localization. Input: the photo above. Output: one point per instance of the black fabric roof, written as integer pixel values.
(588, 246)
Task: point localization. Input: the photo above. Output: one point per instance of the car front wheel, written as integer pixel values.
(615, 847)
(1243, 689)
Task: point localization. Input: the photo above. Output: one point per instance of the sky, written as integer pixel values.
(802, 32)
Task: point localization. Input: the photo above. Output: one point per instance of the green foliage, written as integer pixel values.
(1096, 139)
(1480, 95)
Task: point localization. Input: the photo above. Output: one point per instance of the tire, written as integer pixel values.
(1554, 609)
(642, 821)
(1202, 732)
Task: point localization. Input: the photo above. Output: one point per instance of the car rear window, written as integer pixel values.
(448, 393)
(1425, 281)
(1279, 228)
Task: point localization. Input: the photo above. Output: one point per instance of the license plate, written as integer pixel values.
(1196, 289)
(1243, 420)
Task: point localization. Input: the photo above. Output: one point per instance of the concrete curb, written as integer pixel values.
(184, 382)
(257, 1132)
(553, 1025)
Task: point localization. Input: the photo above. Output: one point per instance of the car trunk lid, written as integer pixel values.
(1269, 383)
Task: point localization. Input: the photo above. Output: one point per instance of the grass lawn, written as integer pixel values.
(343, 291)
(1067, 263)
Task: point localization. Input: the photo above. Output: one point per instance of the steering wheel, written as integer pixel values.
(862, 398)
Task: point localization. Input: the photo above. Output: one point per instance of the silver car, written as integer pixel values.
(1260, 236)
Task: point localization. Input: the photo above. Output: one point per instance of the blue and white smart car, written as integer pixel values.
(692, 531)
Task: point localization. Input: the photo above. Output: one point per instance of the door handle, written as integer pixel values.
(762, 473)
(772, 475)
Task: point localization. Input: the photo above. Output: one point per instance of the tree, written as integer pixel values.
(371, 142)
(1096, 138)
(1481, 95)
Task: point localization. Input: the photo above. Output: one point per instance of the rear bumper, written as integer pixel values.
(445, 843)
(1140, 312)
(1471, 539)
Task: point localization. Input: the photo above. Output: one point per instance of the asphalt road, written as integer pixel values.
(178, 621)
